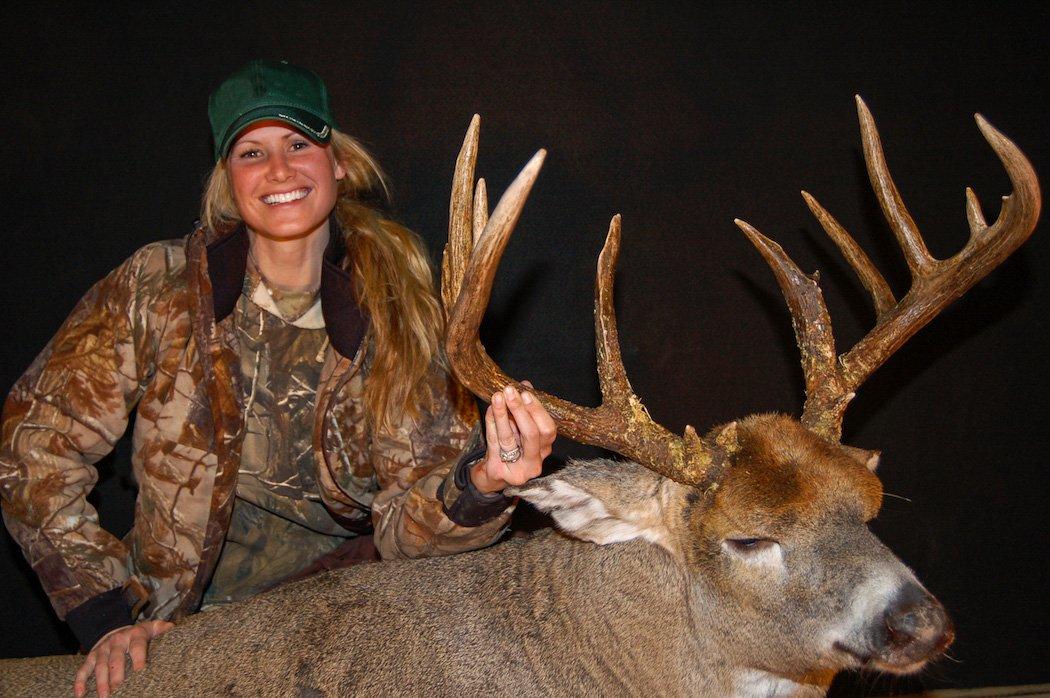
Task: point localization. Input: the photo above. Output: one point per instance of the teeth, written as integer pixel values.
(286, 197)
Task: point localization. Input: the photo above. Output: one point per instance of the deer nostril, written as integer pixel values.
(903, 626)
(918, 626)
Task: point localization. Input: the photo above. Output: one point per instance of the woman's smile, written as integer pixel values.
(286, 197)
(284, 184)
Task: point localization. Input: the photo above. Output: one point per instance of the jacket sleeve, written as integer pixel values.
(423, 509)
(65, 413)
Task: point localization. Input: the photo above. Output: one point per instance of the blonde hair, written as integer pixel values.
(392, 279)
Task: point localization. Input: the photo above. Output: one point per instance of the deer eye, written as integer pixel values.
(749, 546)
(759, 553)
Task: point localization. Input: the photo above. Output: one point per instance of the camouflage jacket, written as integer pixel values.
(156, 333)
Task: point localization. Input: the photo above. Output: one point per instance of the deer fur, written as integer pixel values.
(640, 593)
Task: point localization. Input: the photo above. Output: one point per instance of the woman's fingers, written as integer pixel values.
(537, 428)
(107, 658)
(492, 451)
(545, 425)
(514, 420)
(116, 666)
(137, 650)
(504, 431)
(102, 672)
(85, 670)
(524, 423)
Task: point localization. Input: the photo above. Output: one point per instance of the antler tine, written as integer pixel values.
(915, 253)
(812, 324)
(1020, 210)
(873, 281)
(461, 209)
(831, 383)
(612, 377)
(621, 422)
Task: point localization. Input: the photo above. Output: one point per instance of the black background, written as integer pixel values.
(680, 117)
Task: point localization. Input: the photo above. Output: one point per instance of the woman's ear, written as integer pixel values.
(337, 169)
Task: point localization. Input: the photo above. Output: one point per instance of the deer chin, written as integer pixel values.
(858, 659)
(899, 669)
(895, 660)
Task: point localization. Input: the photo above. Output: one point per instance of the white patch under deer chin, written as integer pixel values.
(762, 684)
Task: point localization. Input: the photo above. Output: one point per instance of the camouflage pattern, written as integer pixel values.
(261, 550)
(146, 335)
(281, 368)
(278, 525)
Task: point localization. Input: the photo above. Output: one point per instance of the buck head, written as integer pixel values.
(784, 571)
(768, 515)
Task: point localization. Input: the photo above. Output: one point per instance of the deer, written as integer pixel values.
(734, 563)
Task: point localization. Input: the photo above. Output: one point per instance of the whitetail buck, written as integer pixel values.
(737, 563)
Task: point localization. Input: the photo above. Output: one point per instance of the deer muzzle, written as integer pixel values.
(914, 629)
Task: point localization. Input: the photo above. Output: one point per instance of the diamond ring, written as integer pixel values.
(511, 456)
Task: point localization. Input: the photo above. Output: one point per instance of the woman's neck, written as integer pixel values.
(291, 265)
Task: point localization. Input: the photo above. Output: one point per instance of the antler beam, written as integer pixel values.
(831, 381)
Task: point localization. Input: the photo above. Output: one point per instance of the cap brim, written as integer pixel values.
(311, 125)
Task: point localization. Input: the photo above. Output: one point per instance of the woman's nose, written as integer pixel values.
(279, 169)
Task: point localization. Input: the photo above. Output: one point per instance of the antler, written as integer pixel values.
(621, 423)
(831, 381)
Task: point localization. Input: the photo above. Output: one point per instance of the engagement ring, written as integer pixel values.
(510, 456)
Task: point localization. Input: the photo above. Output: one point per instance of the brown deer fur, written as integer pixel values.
(668, 609)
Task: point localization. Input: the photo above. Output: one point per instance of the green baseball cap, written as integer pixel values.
(267, 90)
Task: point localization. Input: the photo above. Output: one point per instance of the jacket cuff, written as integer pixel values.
(462, 502)
(98, 615)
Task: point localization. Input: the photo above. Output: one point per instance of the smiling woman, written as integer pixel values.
(284, 361)
(284, 185)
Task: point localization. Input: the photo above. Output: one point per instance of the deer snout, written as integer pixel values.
(915, 628)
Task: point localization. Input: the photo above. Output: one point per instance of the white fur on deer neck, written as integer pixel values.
(755, 683)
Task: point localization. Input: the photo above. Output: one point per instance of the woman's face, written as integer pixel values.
(284, 184)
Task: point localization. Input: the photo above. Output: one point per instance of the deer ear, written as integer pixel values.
(869, 459)
(603, 501)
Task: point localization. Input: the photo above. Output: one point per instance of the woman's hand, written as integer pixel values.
(515, 424)
(106, 658)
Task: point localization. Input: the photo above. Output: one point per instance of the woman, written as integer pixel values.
(284, 361)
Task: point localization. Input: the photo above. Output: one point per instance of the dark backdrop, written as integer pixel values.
(680, 117)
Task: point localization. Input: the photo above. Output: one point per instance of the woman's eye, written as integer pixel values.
(248, 154)
(299, 145)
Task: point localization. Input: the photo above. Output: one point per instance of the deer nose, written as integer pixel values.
(916, 624)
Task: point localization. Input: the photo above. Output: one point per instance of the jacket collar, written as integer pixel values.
(345, 320)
